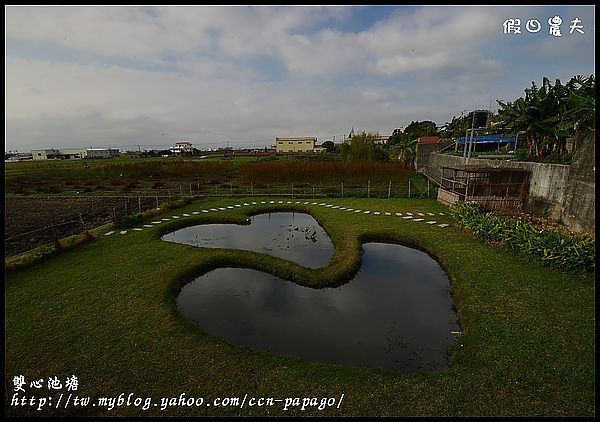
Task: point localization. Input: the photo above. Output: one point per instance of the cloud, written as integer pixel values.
(111, 75)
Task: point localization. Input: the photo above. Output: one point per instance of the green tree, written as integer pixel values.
(329, 145)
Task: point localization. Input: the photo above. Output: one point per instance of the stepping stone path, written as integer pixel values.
(407, 216)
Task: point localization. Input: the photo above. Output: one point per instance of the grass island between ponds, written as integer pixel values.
(105, 312)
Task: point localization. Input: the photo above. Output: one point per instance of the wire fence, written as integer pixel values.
(110, 206)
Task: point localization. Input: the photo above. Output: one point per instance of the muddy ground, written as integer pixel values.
(27, 219)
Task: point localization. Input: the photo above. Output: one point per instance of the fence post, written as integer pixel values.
(114, 215)
(230, 188)
(198, 188)
(409, 188)
(342, 189)
(369, 189)
(191, 194)
(156, 201)
(427, 188)
(83, 225)
(389, 189)
(56, 242)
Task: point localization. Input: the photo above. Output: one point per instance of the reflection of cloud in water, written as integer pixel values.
(401, 323)
(271, 233)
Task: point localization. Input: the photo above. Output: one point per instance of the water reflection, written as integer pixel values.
(289, 235)
(395, 314)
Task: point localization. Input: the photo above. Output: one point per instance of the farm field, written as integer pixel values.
(105, 312)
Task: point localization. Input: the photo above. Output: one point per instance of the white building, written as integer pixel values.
(182, 148)
(74, 154)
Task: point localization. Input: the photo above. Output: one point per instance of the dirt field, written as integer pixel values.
(25, 216)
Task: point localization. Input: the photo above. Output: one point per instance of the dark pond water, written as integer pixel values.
(395, 314)
(289, 235)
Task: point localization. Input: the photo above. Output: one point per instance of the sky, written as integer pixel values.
(146, 77)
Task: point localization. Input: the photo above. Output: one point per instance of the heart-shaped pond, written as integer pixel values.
(396, 313)
(289, 235)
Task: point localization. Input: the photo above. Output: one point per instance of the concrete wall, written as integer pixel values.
(423, 151)
(580, 196)
(563, 192)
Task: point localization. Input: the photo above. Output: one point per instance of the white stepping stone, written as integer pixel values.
(376, 213)
(358, 211)
(430, 213)
(367, 212)
(443, 225)
(196, 212)
(262, 202)
(185, 215)
(166, 219)
(418, 219)
(175, 216)
(204, 210)
(323, 203)
(214, 209)
(222, 209)
(441, 213)
(156, 222)
(229, 207)
(337, 206)
(342, 208)
(297, 202)
(280, 202)
(328, 206)
(409, 213)
(245, 203)
(237, 205)
(148, 225)
(111, 232)
(398, 214)
(431, 222)
(314, 203)
(406, 217)
(253, 203)
(420, 213)
(387, 213)
(350, 209)
(271, 202)
(138, 230)
(306, 203)
(124, 232)
(288, 202)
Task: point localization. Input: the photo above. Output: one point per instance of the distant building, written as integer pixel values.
(380, 139)
(182, 148)
(93, 153)
(74, 154)
(296, 144)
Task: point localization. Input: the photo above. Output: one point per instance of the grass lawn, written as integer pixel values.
(105, 312)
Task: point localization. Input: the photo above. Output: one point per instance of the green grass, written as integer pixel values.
(105, 312)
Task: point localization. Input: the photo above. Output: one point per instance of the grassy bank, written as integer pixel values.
(106, 313)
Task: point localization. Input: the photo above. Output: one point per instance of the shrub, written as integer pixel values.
(573, 253)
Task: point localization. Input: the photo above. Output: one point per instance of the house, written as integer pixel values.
(296, 144)
(428, 139)
(182, 148)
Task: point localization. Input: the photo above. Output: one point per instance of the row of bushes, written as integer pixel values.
(567, 252)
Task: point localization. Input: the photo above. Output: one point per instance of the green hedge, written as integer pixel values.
(573, 253)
